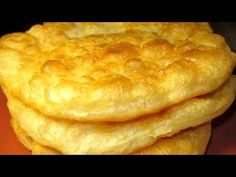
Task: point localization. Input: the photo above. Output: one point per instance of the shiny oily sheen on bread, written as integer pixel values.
(124, 71)
(190, 141)
(73, 137)
(112, 71)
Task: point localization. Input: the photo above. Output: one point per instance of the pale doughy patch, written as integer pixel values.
(30, 143)
(191, 141)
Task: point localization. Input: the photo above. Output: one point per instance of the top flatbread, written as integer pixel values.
(124, 71)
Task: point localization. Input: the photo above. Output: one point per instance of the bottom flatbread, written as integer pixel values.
(189, 141)
(72, 137)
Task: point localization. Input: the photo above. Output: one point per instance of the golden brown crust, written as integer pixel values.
(71, 137)
(112, 77)
(190, 141)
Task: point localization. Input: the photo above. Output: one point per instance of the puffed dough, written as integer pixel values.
(191, 141)
(112, 71)
(72, 137)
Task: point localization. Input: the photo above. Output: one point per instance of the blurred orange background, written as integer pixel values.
(8, 141)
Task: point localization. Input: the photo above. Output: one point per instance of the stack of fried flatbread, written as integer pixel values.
(116, 88)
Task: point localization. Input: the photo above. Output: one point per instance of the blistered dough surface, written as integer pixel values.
(123, 71)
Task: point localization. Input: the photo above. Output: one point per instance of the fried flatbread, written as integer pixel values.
(30, 143)
(72, 137)
(191, 141)
(112, 77)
